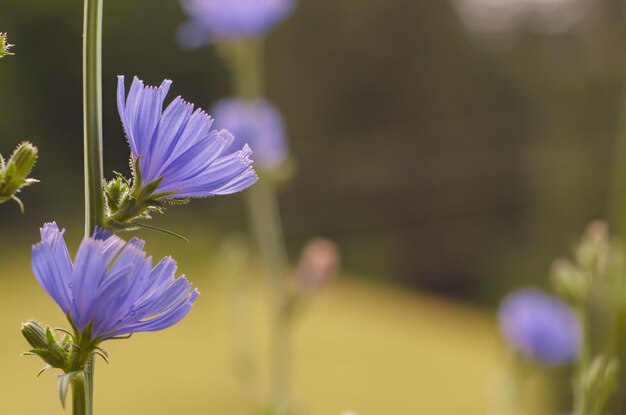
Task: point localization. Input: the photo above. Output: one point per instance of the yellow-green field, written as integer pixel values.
(358, 346)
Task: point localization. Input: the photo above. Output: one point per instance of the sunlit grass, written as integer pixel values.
(358, 346)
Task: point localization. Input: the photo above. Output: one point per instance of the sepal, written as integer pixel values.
(64, 381)
(129, 200)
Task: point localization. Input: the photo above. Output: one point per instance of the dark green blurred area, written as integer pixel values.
(436, 159)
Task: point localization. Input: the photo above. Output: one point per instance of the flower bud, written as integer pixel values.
(319, 261)
(4, 46)
(591, 253)
(14, 173)
(23, 158)
(45, 345)
(35, 334)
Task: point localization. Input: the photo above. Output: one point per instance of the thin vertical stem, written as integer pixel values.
(617, 220)
(246, 60)
(582, 365)
(92, 119)
(79, 396)
(266, 224)
(90, 369)
(92, 114)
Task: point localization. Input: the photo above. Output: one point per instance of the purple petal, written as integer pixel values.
(52, 265)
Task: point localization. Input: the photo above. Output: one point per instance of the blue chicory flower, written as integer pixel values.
(258, 123)
(219, 20)
(540, 326)
(111, 286)
(178, 146)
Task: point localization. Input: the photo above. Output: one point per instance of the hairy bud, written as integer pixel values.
(4, 46)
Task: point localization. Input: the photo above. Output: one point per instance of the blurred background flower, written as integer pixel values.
(496, 16)
(256, 123)
(218, 20)
(540, 326)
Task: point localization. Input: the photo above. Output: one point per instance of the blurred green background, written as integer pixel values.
(449, 147)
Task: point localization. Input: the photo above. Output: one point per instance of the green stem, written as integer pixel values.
(79, 396)
(617, 193)
(92, 115)
(246, 61)
(92, 119)
(266, 224)
(581, 400)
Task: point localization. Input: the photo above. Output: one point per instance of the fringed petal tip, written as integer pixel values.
(50, 225)
(244, 155)
(50, 232)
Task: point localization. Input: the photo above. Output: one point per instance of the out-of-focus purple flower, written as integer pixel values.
(111, 287)
(258, 123)
(219, 20)
(540, 326)
(178, 147)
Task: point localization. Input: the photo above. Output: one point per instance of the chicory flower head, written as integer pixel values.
(219, 20)
(258, 123)
(175, 154)
(540, 326)
(111, 288)
(178, 146)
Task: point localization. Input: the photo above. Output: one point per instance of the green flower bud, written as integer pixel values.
(35, 334)
(14, 173)
(45, 345)
(593, 247)
(23, 158)
(128, 200)
(4, 46)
